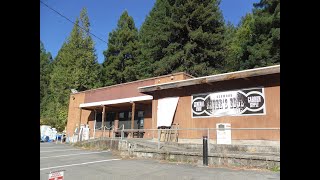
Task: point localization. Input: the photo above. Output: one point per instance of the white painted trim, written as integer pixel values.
(117, 101)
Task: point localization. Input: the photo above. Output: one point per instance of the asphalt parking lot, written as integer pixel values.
(79, 164)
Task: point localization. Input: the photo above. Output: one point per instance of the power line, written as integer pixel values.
(72, 21)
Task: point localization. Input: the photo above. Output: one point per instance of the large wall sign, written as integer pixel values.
(229, 103)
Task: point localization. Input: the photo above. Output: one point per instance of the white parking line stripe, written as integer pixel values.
(72, 154)
(62, 150)
(79, 164)
(46, 144)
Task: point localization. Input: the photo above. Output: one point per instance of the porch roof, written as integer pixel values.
(116, 101)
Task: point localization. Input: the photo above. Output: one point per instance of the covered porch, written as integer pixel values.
(109, 117)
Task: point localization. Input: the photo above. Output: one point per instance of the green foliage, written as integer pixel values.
(45, 70)
(153, 37)
(237, 42)
(256, 42)
(75, 67)
(264, 45)
(275, 169)
(123, 49)
(183, 36)
(55, 116)
(177, 35)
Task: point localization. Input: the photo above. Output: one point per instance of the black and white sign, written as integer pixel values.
(229, 103)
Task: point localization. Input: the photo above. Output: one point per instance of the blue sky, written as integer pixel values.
(103, 16)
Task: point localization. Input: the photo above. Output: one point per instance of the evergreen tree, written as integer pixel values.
(264, 43)
(228, 44)
(75, 67)
(122, 53)
(237, 41)
(45, 70)
(185, 36)
(153, 37)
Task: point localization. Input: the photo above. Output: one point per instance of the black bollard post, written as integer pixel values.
(205, 150)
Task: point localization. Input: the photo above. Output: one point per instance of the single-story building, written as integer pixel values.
(238, 100)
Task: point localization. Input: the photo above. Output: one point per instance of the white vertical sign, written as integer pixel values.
(223, 135)
(85, 133)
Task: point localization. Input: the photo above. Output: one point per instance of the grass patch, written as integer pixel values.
(172, 160)
(275, 169)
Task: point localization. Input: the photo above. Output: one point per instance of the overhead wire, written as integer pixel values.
(72, 21)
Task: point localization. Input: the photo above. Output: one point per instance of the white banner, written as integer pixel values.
(166, 110)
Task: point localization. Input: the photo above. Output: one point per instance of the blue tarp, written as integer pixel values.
(58, 136)
(45, 138)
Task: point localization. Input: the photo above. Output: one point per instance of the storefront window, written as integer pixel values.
(109, 121)
(125, 119)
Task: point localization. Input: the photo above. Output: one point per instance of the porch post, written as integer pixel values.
(103, 119)
(79, 132)
(116, 121)
(132, 116)
(94, 125)
(103, 115)
(80, 112)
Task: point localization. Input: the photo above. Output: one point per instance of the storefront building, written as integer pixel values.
(238, 100)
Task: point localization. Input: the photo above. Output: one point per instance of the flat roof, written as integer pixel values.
(171, 74)
(213, 78)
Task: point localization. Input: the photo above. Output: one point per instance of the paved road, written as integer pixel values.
(81, 164)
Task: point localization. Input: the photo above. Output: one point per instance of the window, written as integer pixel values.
(109, 121)
(125, 119)
(98, 119)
